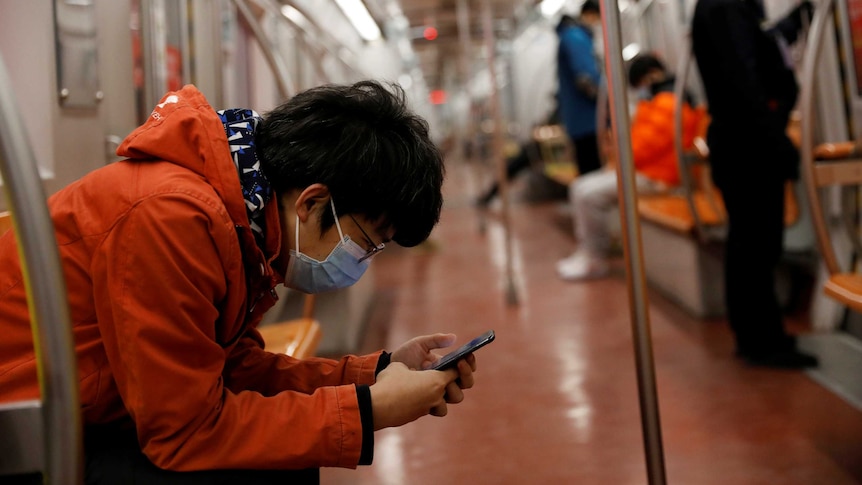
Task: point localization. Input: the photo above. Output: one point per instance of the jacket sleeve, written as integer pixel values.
(250, 367)
(578, 54)
(158, 279)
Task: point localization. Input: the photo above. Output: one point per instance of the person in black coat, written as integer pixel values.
(751, 89)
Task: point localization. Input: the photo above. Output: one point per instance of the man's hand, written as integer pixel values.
(416, 353)
(401, 395)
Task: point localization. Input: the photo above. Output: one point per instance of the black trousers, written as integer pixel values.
(755, 209)
(515, 164)
(587, 153)
(112, 458)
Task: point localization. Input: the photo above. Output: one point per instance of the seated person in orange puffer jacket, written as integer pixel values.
(594, 195)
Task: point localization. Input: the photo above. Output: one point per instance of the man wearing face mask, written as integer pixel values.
(593, 196)
(578, 83)
(171, 257)
(751, 89)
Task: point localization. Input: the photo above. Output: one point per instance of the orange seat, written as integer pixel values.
(298, 338)
(672, 211)
(846, 288)
(556, 156)
(836, 151)
(831, 164)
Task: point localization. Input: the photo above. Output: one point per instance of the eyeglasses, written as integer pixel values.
(376, 248)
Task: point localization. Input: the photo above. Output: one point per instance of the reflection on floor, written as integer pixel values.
(555, 400)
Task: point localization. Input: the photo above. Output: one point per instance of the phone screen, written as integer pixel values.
(452, 358)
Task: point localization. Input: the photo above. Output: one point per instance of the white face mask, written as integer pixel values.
(642, 93)
(340, 269)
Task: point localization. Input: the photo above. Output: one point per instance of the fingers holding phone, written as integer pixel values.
(466, 350)
(465, 368)
(416, 353)
(401, 395)
(464, 361)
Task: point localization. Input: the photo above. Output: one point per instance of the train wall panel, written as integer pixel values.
(27, 45)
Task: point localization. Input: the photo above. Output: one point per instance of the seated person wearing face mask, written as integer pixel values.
(171, 257)
(594, 195)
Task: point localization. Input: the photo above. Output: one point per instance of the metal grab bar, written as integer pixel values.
(703, 233)
(809, 67)
(315, 37)
(46, 290)
(282, 78)
(312, 36)
(497, 152)
(678, 109)
(647, 394)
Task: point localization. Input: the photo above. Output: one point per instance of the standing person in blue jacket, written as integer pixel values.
(578, 77)
(751, 89)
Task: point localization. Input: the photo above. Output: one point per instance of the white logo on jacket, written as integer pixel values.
(172, 99)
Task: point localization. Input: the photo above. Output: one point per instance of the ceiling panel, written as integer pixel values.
(438, 56)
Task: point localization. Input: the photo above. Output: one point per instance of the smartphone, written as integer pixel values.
(451, 359)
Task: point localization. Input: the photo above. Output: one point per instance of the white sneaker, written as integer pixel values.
(572, 259)
(582, 266)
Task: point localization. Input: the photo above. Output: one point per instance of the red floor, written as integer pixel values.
(555, 400)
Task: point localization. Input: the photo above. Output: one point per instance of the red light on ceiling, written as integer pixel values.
(438, 96)
(430, 33)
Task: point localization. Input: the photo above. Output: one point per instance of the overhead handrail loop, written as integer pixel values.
(647, 393)
(314, 38)
(282, 78)
(46, 290)
(809, 66)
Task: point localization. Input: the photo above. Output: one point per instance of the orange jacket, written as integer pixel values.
(652, 137)
(162, 311)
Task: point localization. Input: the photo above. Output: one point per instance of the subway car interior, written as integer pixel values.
(629, 375)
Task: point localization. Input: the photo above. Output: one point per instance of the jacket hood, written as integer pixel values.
(185, 130)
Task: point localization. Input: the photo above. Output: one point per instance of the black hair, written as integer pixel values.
(590, 6)
(566, 20)
(641, 65)
(366, 146)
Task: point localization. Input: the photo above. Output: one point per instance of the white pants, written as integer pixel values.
(593, 197)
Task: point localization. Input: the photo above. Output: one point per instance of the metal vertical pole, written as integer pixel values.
(186, 14)
(154, 47)
(806, 103)
(469, 145)
(462, 14)
(682, 164)
(46, 296)
(632, 244)
(497, 153)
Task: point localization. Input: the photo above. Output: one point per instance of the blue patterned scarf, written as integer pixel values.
(239, 126)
